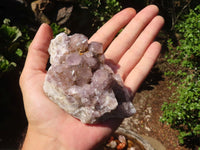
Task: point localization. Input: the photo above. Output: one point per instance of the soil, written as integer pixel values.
(148, 102)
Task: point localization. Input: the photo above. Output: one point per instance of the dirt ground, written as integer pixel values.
(148, 101)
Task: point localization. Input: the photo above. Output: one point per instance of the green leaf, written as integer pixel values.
(6, 21)
(5, 65)
(11, 33)
(19, 52)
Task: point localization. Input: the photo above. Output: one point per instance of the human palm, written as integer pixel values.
(133, 50)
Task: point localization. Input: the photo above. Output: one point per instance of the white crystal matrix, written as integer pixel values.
(81, 83)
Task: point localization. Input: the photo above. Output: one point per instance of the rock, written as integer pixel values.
(80, 82)
(52, 11)
(121, 146)
(38, 7)
(63, 15)
(112, 144)
(122, 139)
(131, 148)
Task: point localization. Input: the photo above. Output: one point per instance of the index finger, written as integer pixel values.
(108, 31)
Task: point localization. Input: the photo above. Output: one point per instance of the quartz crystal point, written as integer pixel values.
(81, 83)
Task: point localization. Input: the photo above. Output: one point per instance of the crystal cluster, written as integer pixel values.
(82, 84)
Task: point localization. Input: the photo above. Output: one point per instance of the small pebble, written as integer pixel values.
(131, 148)
(130, 143)
(122, 139)
(112, 144)
(121, 146)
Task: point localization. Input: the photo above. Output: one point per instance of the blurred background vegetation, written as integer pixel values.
(20, 19)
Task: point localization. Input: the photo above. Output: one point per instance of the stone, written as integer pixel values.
(122, 139)
(63, 15)
(38, 8)
(112, 144)
(81, 83)
(51, 11)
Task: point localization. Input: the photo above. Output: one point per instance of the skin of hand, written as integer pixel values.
(133, 50)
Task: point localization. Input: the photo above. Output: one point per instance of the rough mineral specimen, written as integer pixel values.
(82, 84)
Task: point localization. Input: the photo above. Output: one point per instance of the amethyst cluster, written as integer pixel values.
(81, 83)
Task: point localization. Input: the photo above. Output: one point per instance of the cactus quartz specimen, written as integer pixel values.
(81, 83)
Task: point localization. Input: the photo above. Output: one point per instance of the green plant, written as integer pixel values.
(14, 43)
(101, 11)
(188, 52)
(183, 112)
(56, 29)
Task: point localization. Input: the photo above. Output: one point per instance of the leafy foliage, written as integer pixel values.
(14, 43)
(101, 11)
(188, 52)
(183, 113)
(56, 29)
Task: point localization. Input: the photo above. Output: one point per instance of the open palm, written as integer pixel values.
(133, 50)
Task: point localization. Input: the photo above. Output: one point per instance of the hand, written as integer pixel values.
(134, 50)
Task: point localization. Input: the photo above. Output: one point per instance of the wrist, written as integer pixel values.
(36, 140)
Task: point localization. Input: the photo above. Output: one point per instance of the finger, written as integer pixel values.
(128, 36)
(137, 50)
(141, 70)
(38, 51)
(109, 30)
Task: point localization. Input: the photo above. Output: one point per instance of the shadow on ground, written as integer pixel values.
(151, 80)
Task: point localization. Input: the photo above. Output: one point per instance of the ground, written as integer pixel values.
(148, 101)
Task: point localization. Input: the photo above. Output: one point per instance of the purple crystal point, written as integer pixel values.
(78, 42)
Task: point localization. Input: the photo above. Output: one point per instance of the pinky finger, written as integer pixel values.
(142, 69)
